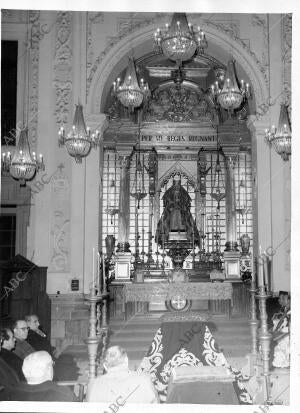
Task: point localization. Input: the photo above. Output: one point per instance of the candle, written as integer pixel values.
(260, 269)
(103, 272)
(266, 271)
(93, 281)
(253, 278)
(98, 271)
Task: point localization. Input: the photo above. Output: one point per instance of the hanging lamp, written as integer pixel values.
(79, 141)
(281, 137)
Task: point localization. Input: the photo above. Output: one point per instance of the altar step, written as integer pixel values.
(135, 335)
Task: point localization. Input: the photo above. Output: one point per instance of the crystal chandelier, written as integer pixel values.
(281, 138)
(21, 165)
(179, 41)
(79, 140)
(231, 94)
(130, 92)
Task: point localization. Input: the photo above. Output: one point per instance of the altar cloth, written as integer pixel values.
(185, 344)
(147, 292)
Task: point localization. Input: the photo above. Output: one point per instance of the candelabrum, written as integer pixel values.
(253, 319)
(93, 338)
(265, 340)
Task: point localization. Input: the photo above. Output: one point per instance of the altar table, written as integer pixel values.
(146, 292)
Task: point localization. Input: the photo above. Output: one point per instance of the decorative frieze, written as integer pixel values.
(60, 223)
(286, 50)
(63, 67)
(34, 53)
(124, 30)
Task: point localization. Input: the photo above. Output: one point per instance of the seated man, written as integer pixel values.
(120, 385)
(7, 354)
(65, 366)
(22, 348)
(36, 337)
(8, 377)
(38, 371)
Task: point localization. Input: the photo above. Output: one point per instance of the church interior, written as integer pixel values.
(146, 195)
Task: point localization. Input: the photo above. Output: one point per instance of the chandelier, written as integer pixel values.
(130, 92)
(79, 140)
(21, 165)
(179, 41)
(231, 94)
(281, 138)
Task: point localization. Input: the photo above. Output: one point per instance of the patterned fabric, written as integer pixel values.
(190, 290)
(185, 344)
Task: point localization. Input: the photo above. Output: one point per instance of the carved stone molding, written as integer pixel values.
(60, 222)
(259, 20)
(93, 18)
(244, 44)
(286, 50)
(124, 30)
(63, 67)
(121, 46)
(34, 19)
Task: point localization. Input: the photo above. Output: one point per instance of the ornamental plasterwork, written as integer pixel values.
(286, 50)
(242, 42)
(113, 40)
(93, 18)
(60, 222)
(174, 104)
(34, 50)
(13, 16)
(259, 20)
(63, 67)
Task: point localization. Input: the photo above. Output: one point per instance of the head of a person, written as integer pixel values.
(32, 321)
(20, 330)
(8, 339)
(38, 367)
(115, 357)
(283, 297)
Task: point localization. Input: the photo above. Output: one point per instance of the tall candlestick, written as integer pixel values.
(93, 268)
(98, 272)
(260, 269)
(103, 274)
(266, 271)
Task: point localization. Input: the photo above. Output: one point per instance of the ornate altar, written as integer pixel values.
(177, 184)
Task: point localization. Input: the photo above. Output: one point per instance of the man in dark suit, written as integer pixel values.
(8, 377)
(38, 371)
(8, 356)
(22, 348)
(65, 366)
(37, 338)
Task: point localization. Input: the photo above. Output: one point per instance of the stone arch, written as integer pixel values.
(113, 54)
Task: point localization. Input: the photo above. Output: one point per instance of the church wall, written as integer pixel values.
(64, 217)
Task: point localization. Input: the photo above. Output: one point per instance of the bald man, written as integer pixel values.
(120, 385)
(38, 371)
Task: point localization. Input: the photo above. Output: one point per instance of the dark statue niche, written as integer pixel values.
(176, 230)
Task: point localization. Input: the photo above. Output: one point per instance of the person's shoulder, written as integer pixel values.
(142, 377)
